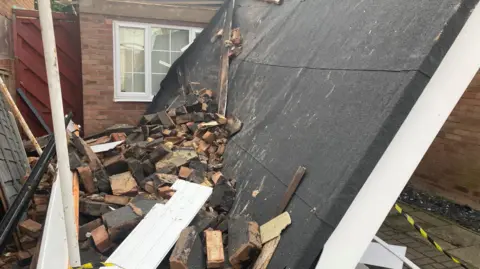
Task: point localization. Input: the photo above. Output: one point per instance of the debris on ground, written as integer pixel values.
(461, 214)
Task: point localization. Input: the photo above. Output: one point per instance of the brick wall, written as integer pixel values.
(451, 167)
(100, 111)
(7, 5)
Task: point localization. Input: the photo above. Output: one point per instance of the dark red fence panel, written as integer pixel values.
(30, 73)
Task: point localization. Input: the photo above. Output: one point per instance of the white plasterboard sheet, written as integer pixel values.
(105, 147)
(377, 255)
(406, 150)
(53, 250)
(148, 244)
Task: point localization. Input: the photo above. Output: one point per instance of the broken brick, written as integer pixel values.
(220, 149)
(122, 221)
(117, 200)
(136, 169)
(244, 244)
(148, 167)
(159, 153)
(30, 228)
(214, 246)
(208, 137)
(166, 192)
(183, 248)
(74, 160)
(222, 197)
(217, 177)
(202, 146)
(93, 208)
(118, 137)
(204, 220)
(115, 165)
(27, 242)
(101, 239)
(165, 119)
(184, 172)
(87, 228)
(124, 184)
(86, 178)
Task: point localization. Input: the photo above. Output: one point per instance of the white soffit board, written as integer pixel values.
(392, 172)
(377, 255)
(148, 244)
(53, 250)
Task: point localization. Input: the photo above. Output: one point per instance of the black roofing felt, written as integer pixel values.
(320, 83)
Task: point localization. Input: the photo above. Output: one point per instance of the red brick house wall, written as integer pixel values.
(96, 30)
(451, 167)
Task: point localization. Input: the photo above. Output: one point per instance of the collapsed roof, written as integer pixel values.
(323, 84)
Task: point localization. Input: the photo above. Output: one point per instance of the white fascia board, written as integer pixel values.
(365, 215)
(148, 244)
(54, 250)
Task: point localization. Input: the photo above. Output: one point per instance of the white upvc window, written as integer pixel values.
(143, 53)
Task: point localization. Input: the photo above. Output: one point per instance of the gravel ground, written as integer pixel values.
(461, 214)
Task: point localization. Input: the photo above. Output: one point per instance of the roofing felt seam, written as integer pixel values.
(336, 119)
(280, 181)
(338, 69)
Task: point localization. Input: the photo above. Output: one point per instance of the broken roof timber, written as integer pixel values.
(392, 172)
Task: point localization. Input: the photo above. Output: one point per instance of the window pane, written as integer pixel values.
(132, 38)
(156, 80)
(138, 61)
(160, 39)
(126, 61)
(179, 39)
(160, 61)
(126, 81)
(175, 56)
(139, 82)
(132, 59)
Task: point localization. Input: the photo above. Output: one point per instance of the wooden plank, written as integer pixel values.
(267, 253)
(148, 244)
(292, 187)
(225, 61)
(76, 198)
(149, 10)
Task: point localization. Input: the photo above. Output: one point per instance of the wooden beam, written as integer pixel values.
(292, 187)
(225, 60)
(152, 10)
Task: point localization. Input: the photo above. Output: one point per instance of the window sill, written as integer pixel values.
(133, 99)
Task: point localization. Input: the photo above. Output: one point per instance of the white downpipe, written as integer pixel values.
(404, 259)
(54, 89)
(350, 239)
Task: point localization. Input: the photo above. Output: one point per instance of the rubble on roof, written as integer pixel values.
(124, 175)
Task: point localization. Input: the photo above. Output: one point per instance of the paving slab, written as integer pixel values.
(444, 244)
(401, 224)
(456, 235)
(470, 255)
(430, 219)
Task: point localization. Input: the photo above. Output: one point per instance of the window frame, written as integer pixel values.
(146, 96)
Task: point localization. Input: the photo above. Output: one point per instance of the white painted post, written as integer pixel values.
(54, 89)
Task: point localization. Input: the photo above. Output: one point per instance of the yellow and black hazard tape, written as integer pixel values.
(426, 236)
(95, 265)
